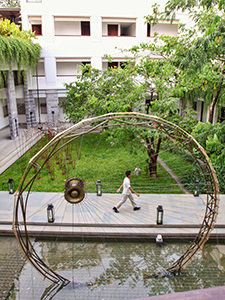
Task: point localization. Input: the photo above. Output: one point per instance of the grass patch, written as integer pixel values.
(176, 163)
(90, 158)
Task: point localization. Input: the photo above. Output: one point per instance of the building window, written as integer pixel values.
(119, 27)
(116, 63)
(3, 81)
(72, 26)
(70, 67)
(222, 115)
(43, 107)
(195, 105)
(112, 30)
(88, 66)
(18, 78)
(148, 29)
(85, 28)
(164, 27)
(21, 108)
(36, 25)
(5, 108)
(37, 29)
(113, 64)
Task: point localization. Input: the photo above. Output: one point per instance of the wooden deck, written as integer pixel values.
(94, 217)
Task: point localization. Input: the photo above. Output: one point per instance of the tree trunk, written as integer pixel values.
(153, 155)
(214, 101)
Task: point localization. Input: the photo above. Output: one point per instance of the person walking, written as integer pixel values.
(127, 189)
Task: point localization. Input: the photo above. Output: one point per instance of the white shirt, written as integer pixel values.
(126, 185)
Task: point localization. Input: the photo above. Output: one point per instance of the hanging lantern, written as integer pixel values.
(50, 213)
(196, 191)
(99, 188)
(159, 215)
(11, 186)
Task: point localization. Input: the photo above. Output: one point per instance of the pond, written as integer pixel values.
(117, 270)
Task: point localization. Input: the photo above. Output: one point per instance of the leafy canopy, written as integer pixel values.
(9, 3)
(98, 92)
(212, 138)
(195, 58)
(17, 46)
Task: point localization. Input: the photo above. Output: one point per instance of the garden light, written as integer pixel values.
(99, 188)
(50, 213)
(196, 191)
(159, 215)
(11, 186)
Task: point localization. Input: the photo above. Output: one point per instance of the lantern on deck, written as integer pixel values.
(99, 188)
(159, 215)
(196, 191)
(50, 213)
(11, 186)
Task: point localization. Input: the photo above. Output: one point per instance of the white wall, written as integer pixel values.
(94, 46)
(62, 39)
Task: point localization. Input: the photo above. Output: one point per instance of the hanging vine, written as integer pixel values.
(17, 48)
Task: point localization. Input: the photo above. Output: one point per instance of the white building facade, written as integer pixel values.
(72, 33)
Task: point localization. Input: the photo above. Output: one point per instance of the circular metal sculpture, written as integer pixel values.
(74, 187)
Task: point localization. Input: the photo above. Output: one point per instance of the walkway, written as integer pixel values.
(11, 150)
(94, 217)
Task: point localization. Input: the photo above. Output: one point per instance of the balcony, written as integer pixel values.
(163, 27)
(35, 24)
(72, 26)
(119, 27)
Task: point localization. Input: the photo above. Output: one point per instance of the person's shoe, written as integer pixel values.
(137, 208)
(115, 209)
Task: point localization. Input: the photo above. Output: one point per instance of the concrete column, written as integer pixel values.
(52, 101)
(29, 107)
(12, 107)
(50, 71)
(96, 62)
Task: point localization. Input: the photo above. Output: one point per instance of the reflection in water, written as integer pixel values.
(52, 290)
(116, 270)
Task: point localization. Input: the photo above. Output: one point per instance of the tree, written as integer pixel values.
(200, 66)
(212, 138)
(114, 90)
(99, 92)
(9, 3)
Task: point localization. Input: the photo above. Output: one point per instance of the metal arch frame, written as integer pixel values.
(173, 131)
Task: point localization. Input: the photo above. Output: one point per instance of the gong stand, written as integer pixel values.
(75, 192)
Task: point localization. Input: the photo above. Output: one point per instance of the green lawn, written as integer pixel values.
(90, 158)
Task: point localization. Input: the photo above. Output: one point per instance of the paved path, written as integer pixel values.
(94, 217)
(11, 150)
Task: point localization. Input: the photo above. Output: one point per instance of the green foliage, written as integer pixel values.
(202, 131)
(9, 3)
(17, 47)
(212, 137)
(194, 60)
(98, 92)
